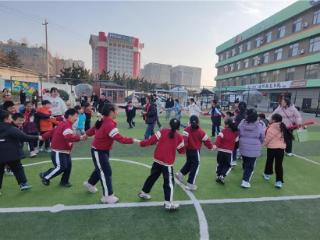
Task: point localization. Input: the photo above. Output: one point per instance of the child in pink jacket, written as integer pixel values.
(276, 138)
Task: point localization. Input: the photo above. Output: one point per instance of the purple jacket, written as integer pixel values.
(251, 136)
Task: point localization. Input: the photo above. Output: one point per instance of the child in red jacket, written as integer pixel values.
(62, 141)
(105, 133)
(225, 144)
(168, 142)
(194, 136)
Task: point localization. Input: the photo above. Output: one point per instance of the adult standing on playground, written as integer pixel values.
(150, 116)
(58, 105)
(169, 105)
(94, 100)
(193, 108)
(290, 117)
(101, 102)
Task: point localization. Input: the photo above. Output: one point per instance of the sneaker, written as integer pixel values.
(144, 195)
(109, 199)
(245, 184)
(179, 176)
(33, 154)
(266, 176)
(48, 150)
(191, 187)
(25, 186)
(41, 149)
(90, 188)
(66, 185)
(171, 206)
(233, 163)
(278, 184)
(220, 179)
(290, 154)
(8, 172)
(45, 182)
(36, 150)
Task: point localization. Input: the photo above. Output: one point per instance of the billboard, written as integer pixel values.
(120, 37)
(16, 86)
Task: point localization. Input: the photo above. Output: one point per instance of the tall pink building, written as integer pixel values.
(115, 53)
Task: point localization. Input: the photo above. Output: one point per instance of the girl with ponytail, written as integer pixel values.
(194, 136)
(276, 139)
(168, 141)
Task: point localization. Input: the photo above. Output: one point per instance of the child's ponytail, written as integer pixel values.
(194, 122)
(175, 125)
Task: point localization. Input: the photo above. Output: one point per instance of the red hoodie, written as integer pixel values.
(226, 140)
(193, 138)
(106, 134)
(62, 137)
(165, 152)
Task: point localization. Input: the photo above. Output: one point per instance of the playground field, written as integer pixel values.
(212, 212)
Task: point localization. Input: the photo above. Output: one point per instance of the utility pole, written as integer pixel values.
(47, 51)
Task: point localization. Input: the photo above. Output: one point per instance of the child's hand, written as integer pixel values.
(136, 140)
(40, 138)
(83, 137)
(214, 148)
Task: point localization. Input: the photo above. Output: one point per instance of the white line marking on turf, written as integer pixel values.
(203, 224)
(306, 159)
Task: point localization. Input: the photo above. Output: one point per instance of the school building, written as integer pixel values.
(278, 56)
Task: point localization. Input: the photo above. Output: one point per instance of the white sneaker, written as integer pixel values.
(245, 184)
(290, 154)
(33, 154)
(233, 163)
(36, 150)
(266, 177)
(48, 150)
(90, 188)
(109, 199)
(179, 176)
(278, 184)
(144, 196)
(191, 187)
(8, 172)
(41, 149)
(171, 206)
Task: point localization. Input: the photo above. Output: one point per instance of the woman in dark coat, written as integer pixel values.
(11, 151)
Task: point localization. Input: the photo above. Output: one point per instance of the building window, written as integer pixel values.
(253, 79)
(290, 74)
(221, 57)
(240, 48)
(238, 81)
(226, 68)
(233, 52)
(246, 63)
(315, 44)
(281, 31)
(316, 17)
(239, 65)
(266, 57)
(231, 67)
(248, 45)
(263, 77)
(256, 60)
(227, 54)
(313, 71)
(297, 25)
(294, 50)
(269, 37)
(275, 76)
(259, 41)
(278, 54)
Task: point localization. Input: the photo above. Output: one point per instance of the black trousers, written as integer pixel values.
(168, 180)
(33, 143)
(223, 163)
(87, 124)
(17, 169)
(130, 121)
(215, 129)
(234, 153)
(248, 164)
(62, 165)
(102, 171)
(275, 155)
(192, 165)
(289, 144)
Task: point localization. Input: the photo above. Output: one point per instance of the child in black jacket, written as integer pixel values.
(10, 148)
(130, 113)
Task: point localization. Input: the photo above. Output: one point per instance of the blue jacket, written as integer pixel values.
(81, 121)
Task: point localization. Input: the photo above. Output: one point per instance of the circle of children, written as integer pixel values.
(244, 134)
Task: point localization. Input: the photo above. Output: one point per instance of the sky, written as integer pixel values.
(176, 33)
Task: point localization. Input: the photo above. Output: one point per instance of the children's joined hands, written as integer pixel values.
(136, 140)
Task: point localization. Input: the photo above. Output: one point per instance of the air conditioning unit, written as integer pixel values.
(305, 24)
(302, 51)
